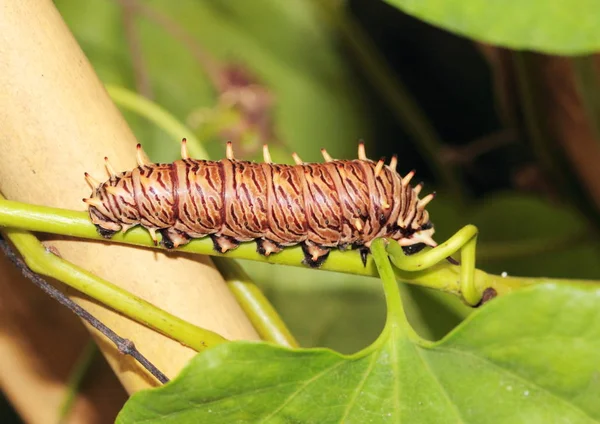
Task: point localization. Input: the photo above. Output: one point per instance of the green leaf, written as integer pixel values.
(529, 357)
(560, 27)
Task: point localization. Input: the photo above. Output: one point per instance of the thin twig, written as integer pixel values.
(393, 91)
(140, 71)
(467, 154)
(211, 65)
(124, 346)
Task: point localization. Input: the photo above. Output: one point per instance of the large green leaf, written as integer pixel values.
(559, 26)
(527, 357)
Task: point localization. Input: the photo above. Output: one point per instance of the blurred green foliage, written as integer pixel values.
(317, 100)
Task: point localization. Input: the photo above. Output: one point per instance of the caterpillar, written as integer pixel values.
(342, 204)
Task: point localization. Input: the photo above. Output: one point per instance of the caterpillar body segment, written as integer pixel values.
(337, 204)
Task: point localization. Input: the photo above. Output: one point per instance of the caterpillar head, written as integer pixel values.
(413, 241)
(416, 230)
(100, 211)
(100, 217)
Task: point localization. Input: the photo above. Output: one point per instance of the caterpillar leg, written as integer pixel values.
(314, 255)
(364, 252)
(413, 248)
(408, 250)
(464, 240)
(266, 247)
(104, 232)
(224, 243)
(172, 238)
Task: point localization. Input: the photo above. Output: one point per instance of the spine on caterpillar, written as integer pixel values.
(337, 204)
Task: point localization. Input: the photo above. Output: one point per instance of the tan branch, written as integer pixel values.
(56, 122)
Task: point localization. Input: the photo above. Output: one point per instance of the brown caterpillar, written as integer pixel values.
(337, 204)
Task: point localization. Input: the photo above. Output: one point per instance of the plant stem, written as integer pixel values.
(132, 37)
(261, 313)
(443, 276)
(77, 224)
(123, 345)
(43, 262)
(532, 113)
(144, 107)
(211, 65)
(588, 84)
(396, 324)
(397, 96)
(395, 310)
(464, 241)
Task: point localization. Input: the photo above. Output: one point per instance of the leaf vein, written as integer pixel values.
(359, 386)
(522, 379)
(304, 386)
(443, 389)
(396, 372)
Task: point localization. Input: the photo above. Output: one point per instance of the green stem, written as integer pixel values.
(396, 323)
(588, 84)
(464, 240)
(43, 262)
(534, 121)
(261, 313)
(154, 113)
(443, 276)
(467, 271)
(83, 364)
(395, 309)
(397, 96)
(77, 224)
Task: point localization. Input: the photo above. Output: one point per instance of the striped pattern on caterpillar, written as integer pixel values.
(337, 204)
